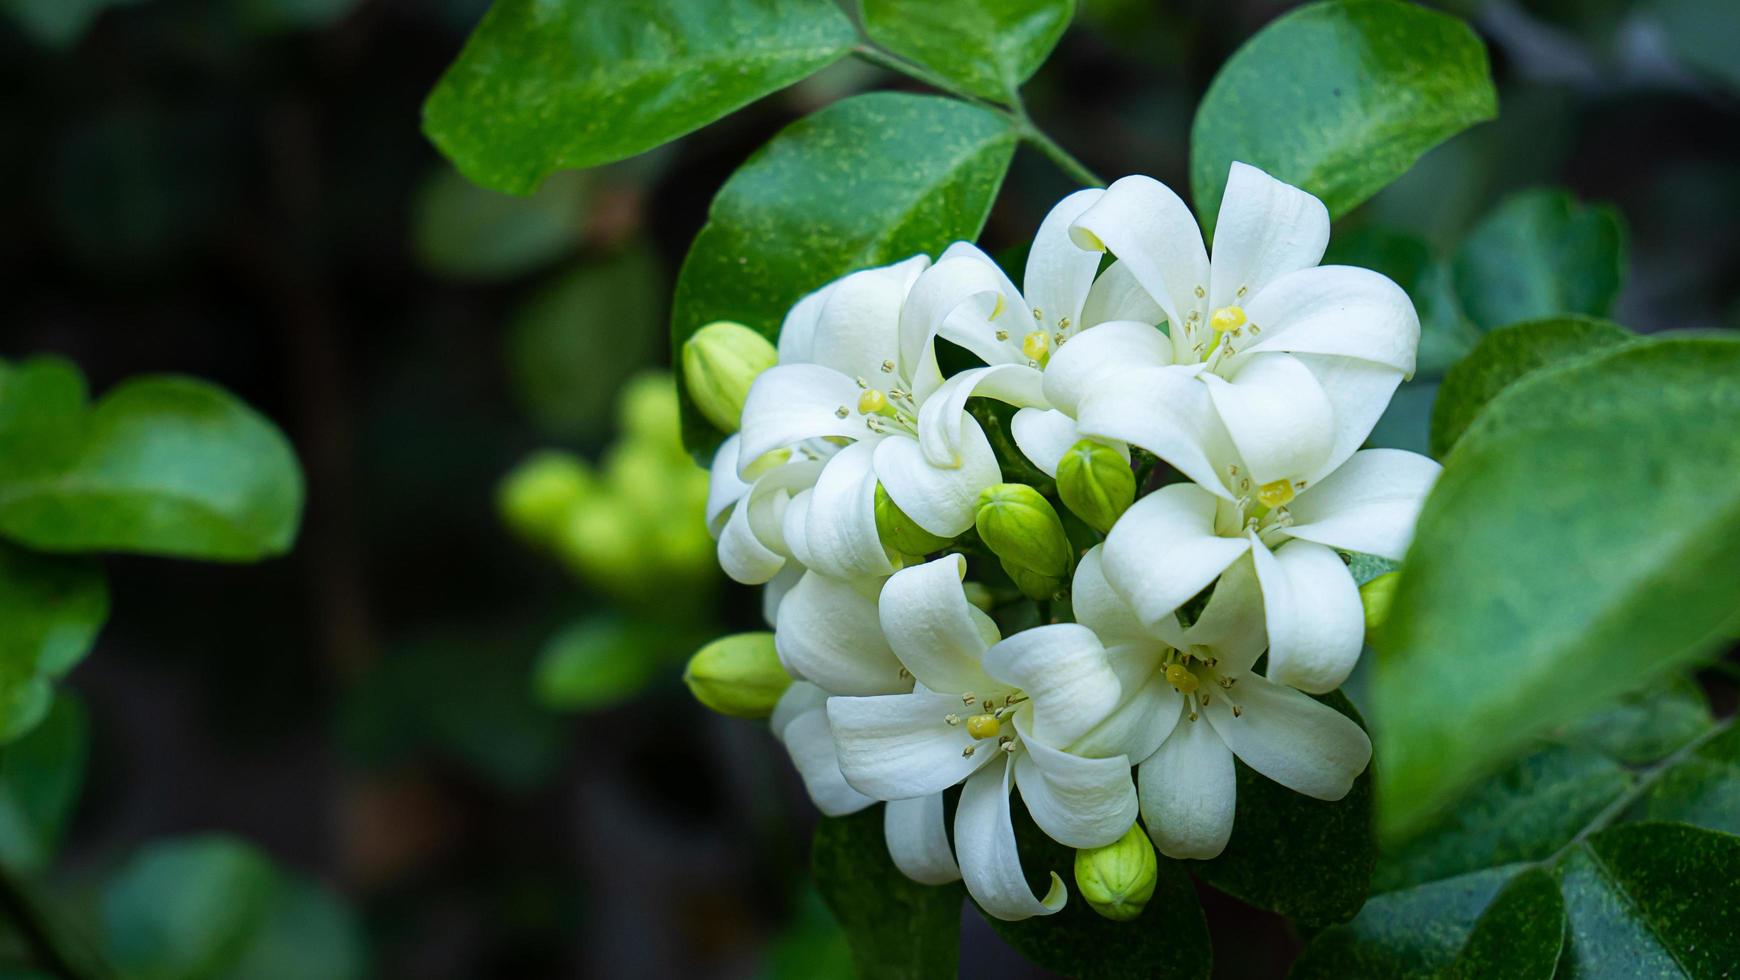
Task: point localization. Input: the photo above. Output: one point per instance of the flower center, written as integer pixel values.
(1260, 508)
(987, 722)
(893, 410)
(1036, 346)
(1192, 673)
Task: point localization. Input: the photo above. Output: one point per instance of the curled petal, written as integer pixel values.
(724, 486)
(1063, 669)
(811, 745)
(985, 845)
(939, 499)
(942, 419)
(1060, 272)
(1163, 551)
(1359, 393)
(1150, 230)
(839, 532)
(1078, 802)
(1370, 504)
(1098, 607)
(967, 299)
(1090, 359)
(931, 627)
(1116, 295)
(1266, 229)
(1231, 625)
(1316, 625)
(918, 840)
(1339, 310)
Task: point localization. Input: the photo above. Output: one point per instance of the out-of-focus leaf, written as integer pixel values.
(867, 181)
(1310, 860)
(51, 608)
(988, 47)
(463, 231)
(896, 926)
(40, 778)
(574, 344)
(546, 85)
(598, 662)
(1702, 789)
(1703, 31)
(812, 947)
(160, 465)
(1551, 571)
(275, 16)
(1645, 725)
(308, 932)
(1339, 98)
(1403, 935)
(57, 23)
(1503, 357)
(1540, 254)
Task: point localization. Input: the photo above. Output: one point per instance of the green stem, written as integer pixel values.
(900, 66)
(1054, 152)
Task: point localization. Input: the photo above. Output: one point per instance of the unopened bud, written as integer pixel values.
(1096, 482)
(1022, 529)
(720, 361)
(647, 407)
(537, 496)
(738, 675)
(901, 533)
(1117, 880)
(1376, 597)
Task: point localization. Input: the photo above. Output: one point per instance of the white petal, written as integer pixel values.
(1370, 504)
(1098, 607)
(967, 299)
(800, 697)
(918, 840)
(1064, 671)
(1359, 392)
(943, 418)
(1337, 309)
(1315, 622)
(897, 746)
(724, 486)
(794, 528)
(742, 555)
(839, 533)
(1277, 415)
(1144, 224)
(1150, 709)
(1060, 272)
(1090, 359)
(798, 333)
(1163, 551)
(1078, 802)
(1266, 229)
(811, 745)
(828, 634)
(936, 633)
(859, 325)
(752, 546)
(939, 499)
(985, 845)
(1189, 792)
(1044, 435)
(1116, 295)
(789, 403)
(1305, 746)
(1167, 411)
(1231, 625)
(775, 590)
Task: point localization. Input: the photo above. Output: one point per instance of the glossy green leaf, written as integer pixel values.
(1404, 935)
(1519, 936)
(1169, 939)
(546, 85)
(1339, 98)
(1551, 573)
(160, 465)
(1702, 789)
(463, 231)
(1308, 859)
(51, 607)
(40, 778)
(987, 47)
(896, 926)
(1651, 900)
(867, 181)
(1541, 254)
(602, 661)
(1506, 355)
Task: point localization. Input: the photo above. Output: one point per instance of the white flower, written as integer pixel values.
(748, 518)
(995, 714)
(1192, 704)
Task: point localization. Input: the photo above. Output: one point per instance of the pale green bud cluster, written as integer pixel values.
(901, 534)
(1096, 483)
(720, 361)
(738, 675)
(1118, 880)
(1023, 530)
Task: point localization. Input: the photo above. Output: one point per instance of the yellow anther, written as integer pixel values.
(872, 401)
(1181, 678)
(984, 726)
(1275, 494)
(1036, 345)
(1227, 318)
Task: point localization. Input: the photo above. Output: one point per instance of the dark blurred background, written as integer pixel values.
(474, 740)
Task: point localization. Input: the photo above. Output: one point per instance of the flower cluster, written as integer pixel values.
(1239, 386)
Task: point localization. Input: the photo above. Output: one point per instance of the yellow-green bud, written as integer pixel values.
(901, 533)
(1023, 530)
(719, 362)
(1117, 880)
(536, 497)
(738, 675)
(1096, 482)
(647, 408)
(1376, 597)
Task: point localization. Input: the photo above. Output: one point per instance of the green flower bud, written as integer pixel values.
(1022, 529)
(535, 498)
(1117, 880)
(901, 533)
(1096, 482)
(738, 675)
(719, 362)
(1376, 597)
(647, 408)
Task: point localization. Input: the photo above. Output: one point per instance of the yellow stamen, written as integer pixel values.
(1226, 318)
(1181, 678)
(1275, 494)
(1036, 345)
(984, 726)
(872, 402)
